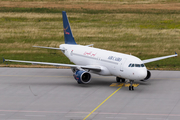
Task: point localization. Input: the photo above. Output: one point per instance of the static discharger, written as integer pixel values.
(123, 85)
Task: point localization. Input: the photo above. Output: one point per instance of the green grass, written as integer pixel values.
(145, 34)
(89, 11)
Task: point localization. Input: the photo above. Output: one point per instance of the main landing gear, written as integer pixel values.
(122, 82)
(118, 79)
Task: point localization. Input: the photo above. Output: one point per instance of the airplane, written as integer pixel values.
(88, 59)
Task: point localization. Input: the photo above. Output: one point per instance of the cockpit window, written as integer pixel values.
(136, 65)
(142, 65)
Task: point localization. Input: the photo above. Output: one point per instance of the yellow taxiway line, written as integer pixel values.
(101, 103)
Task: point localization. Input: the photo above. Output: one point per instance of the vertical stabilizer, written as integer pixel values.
(68, 36)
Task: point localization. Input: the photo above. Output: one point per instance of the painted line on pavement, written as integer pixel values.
(101, 103)
(36, 115)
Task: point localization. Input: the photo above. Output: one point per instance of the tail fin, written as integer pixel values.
(68, 36)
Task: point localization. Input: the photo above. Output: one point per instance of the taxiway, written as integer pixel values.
(53, 94)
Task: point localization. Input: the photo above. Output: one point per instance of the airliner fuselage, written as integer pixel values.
(111, 63)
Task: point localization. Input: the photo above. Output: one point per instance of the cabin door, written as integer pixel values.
(122, 63)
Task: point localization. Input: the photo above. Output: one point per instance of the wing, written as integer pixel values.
(159, 58)
(90, 67)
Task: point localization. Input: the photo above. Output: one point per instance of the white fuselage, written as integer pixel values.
(111, 63)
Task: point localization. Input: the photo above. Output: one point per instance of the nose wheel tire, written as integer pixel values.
(131, 87)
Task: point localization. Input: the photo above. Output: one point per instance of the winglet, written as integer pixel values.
(68, 36)
(176, 54)
(3, 59)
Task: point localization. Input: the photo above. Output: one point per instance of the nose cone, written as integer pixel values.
(142, 74)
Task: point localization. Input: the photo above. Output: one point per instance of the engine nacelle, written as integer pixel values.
(148, 75)
(82, 76)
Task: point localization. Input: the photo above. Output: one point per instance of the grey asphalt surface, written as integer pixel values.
(53, 94)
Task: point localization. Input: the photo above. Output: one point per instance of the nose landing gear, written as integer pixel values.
(131, 87)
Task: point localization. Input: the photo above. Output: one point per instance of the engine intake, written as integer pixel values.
(82, 76)
(148, 75)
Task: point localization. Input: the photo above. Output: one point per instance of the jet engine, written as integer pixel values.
(82, 76)
(148, 75)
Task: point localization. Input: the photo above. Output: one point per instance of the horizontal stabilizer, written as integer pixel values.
(48, 48)
(91, 45)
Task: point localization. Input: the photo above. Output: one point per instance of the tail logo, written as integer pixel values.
(65, 30)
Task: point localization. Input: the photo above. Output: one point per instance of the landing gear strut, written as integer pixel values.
(131, 87)
(118, 79)
(121, 82)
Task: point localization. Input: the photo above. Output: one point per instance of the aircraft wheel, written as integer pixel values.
(129, 87)
(117, 79)
(132, 87)
(120, 79)
(123, 80)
